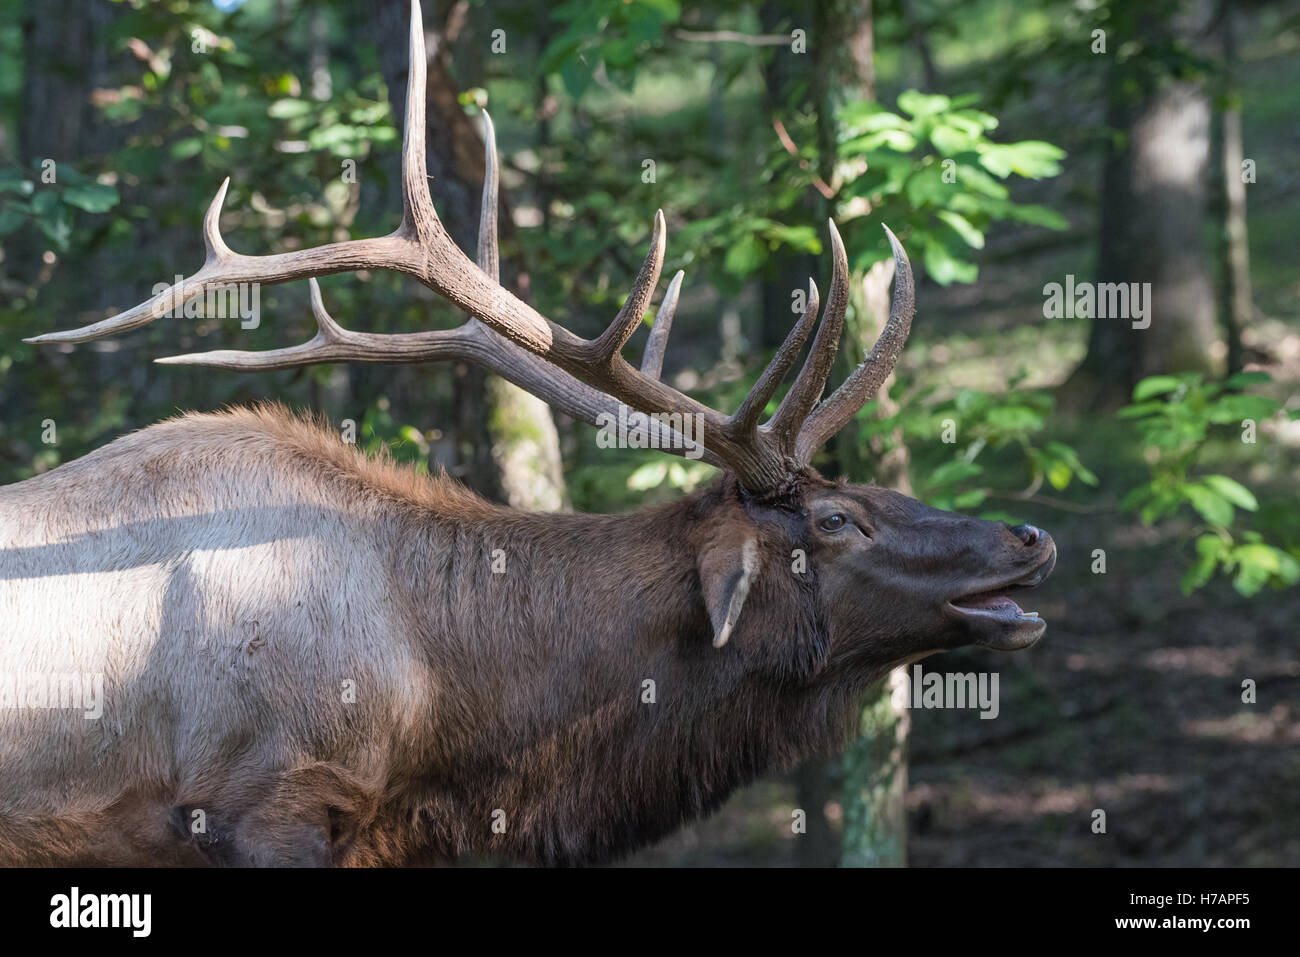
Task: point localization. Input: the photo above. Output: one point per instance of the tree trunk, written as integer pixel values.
(1235, 300)
(874, 768)
(519, 462)
(875, 765)
(875, 780)
(916, 32)
(1153, 216)
(872, 775)
(786, 271)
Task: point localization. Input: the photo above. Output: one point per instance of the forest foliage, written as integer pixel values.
(608, 110)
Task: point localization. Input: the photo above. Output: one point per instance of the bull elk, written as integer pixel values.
(310, 656)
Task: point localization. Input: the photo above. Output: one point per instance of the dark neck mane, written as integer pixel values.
(555, 726)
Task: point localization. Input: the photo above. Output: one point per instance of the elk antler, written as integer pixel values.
(585, 378)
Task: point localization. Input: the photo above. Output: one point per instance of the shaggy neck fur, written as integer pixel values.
(594, 715)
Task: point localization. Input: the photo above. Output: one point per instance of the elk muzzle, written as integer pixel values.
(990, 613)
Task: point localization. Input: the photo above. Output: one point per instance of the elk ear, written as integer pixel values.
(727, 567)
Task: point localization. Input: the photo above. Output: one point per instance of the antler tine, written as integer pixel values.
(419, 220)
(522, 367)
(419, 247)
(326, 327)
(489, 256)
(212, 241)
(587, 379)
(332, 343)
(865, 381)
(746, 417)
(472, 342)
(563, 392)
(807, 389)
(652, 360)
(606, 348)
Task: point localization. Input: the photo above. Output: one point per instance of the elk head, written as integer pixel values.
(891, 579)
(940, 579)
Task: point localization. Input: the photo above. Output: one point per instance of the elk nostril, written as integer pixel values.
(1028, 534)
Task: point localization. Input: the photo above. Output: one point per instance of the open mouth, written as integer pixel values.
(997, 619)
(996, 604)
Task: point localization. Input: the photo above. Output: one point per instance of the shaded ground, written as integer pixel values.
(1132, 705)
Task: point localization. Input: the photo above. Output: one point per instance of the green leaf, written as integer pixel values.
(92, 197)
(973, 122)
(802, 238)
(1243, 379)
(11, 181)
(972, 499)
(926, 188)
(46, 204)
(1142, 409)
(1037, 216)
(1014, 418)
(944, 268)
(1209, 504)
(1033, 159)
(1234, 408)
(981, 182)
(289, 109)
(668, 10)
(576, 76)
(69, 176)
(949, 141)
(1288, 569)
(1059, 475)
(57, 228)
(1211, 545)
(866, 116)
(184, 149)
(745, 256)
(1262, 556)
(950, 473)
(962, 226)
(1252, 575)
(916, 103)
(1259, 564)
(1209, 552)
(1155, 385)
(1233, 491)
(972, 402)
(1069, 456)
(1136, 497)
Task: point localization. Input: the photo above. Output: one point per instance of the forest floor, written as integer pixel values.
(1133, 705)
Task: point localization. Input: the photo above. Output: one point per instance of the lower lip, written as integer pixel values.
(1001, 609)
(995, 604)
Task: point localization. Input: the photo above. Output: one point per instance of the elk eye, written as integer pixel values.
(834, 523)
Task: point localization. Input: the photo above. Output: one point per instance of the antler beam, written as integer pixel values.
(585, 378)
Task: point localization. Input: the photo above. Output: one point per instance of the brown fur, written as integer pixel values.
(283, 563)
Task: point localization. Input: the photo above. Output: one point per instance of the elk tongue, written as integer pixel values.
(995, 603)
